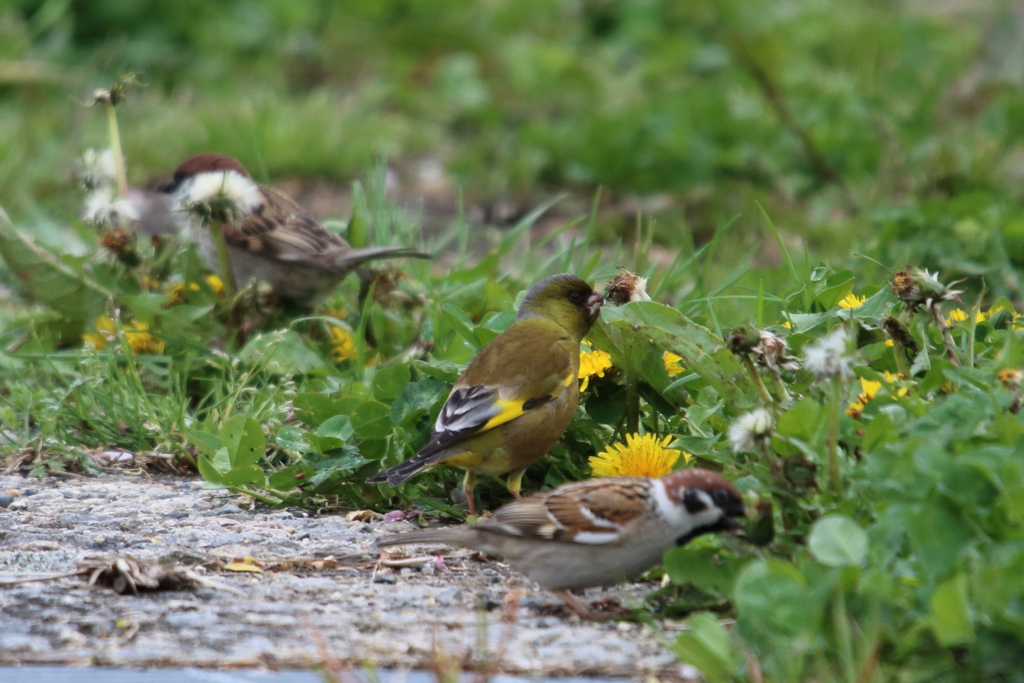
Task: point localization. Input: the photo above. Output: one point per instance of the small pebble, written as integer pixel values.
(385, 577)
(6, 499)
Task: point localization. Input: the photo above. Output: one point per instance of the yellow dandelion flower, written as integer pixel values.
(888, 342)
(672, 363)
(640, 456)
(851, 300)
(869, 388)
(106, 331)
(892, 378)
(175, 295)
(141, 341)
(216, 284)
(1011, 378)
(788, 325)
(956, 316)
(343, 346)
(592, 364)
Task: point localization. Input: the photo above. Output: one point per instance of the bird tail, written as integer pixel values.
(400, 472)
(353, 257)
(455, 535)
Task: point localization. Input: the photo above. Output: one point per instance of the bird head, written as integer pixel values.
(566, 299)
(705, 502)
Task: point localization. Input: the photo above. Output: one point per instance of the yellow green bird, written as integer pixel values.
(517, 397)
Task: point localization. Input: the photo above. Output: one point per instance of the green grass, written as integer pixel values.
(784, 155)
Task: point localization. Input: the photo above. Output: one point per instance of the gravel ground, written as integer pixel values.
(289, 615)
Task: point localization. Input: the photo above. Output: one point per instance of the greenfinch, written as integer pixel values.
(517, 397)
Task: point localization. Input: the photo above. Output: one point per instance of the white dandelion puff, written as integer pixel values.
(627, 287)
(96, 169)
(220, 194)
(751, 430)
(104, 207)
(827, 358)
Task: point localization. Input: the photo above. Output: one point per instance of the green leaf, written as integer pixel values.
(284, 352)
(222, 460)
(208, 471)
(418, 398)
(207, 444)
(338, 427)
(291, 439)
(461, 322)
(313, 408)
(838, 541)
(706, 646)
(697, 346)
(444, 370)
(372, 420)
(607, 404)
(243, 437)
(291, 477)
(832, 295)
(389, 382)
(801, 421)
(709, 569)
(773, 598)
(950, 612)
(246, 474)
(46, 279)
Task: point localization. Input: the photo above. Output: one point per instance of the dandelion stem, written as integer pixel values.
(774, 464)
(899, 353)
(632, 404)
(755, 377)
(115, 148)
(947, 338)
(972, 326)
(227, 274)
(833, 437)
(780, 387)
(841, 625)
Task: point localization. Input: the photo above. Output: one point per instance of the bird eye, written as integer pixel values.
(576, 296)
(721, 497)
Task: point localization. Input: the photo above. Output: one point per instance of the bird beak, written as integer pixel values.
(732, 524)
(594, 303)
(169, 187)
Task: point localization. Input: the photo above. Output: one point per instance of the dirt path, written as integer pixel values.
(284, 617)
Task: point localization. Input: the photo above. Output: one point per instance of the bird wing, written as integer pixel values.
(281, 229)
(528, 365)
(592, 512)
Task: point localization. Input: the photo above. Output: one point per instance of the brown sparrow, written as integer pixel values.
(269, 237)
(596, 532)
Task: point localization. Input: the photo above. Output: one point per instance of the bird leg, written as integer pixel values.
(515, 482)
(467, 486)
(577, 606)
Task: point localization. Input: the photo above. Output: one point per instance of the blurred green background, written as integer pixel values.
(888, 127)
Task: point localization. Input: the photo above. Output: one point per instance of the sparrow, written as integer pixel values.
(269, 237)
(517, 396)
(597, 532)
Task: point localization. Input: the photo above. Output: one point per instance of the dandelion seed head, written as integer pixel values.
(96, 168)
(626, 287)
(827, 357)
(104, 207)
(220, 193)
(750, 430)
